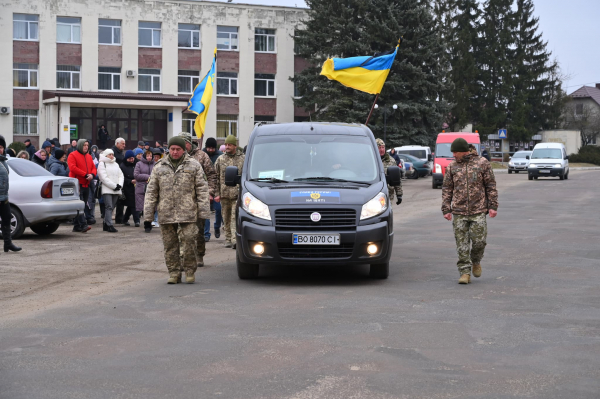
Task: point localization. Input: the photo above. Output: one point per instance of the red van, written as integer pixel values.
(443, 156)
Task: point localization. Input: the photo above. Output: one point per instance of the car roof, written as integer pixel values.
(313, 128)
(549, 145)
(472, 138)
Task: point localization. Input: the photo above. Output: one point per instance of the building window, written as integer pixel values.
(68, 77)
(109, 31)
(149, 34)
(578, 109)
(109, 78)
(264, 119)
(68, 30)
(187, 81)
(187, 123)
(188, 36)
(25, 27)
(25, 121)
(264, 40)
(297, 93)
(227, 38)
(25, 76)
(149, 80)
(227, 83)
(226, 125)
(264, 85)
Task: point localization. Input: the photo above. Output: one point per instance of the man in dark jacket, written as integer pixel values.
(119, 151)
(72, 148)
(5, 213)
(103, 137)
(211, 149)
(30, 148)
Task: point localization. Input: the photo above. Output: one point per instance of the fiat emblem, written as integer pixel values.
(315, 216)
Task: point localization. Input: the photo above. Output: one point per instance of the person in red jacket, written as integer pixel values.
(81, 166)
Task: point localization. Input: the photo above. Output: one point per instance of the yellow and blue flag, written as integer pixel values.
(200, 100)
(365, 73)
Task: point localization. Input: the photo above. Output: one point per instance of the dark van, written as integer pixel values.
(313, 193)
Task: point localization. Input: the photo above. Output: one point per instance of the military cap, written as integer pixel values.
(186, 136)
(178, 141)
(380, 142)
(459, 145)
(231, 140)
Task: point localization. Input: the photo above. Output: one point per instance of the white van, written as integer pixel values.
(417, 151)
(549, 160)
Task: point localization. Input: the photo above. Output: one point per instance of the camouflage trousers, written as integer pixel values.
(228, 211)
(471, 234)
(180, 246)
(200, 240)
(395, 189)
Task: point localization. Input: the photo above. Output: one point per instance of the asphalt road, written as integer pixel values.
(528, 328)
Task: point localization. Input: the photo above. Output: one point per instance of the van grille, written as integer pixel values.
(315, 251)
(300, 219)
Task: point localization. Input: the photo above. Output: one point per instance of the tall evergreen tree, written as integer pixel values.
(348, 28)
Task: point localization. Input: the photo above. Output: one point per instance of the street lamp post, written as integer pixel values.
(385, 109)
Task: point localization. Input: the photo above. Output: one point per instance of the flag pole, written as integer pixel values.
(372, 108)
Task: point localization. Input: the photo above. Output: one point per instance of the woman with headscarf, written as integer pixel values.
(5, 213)
(139, 155)
(112, 179)
(128, 169)
(23, 155)
(40, 158)
(142, 172)
(57, 164)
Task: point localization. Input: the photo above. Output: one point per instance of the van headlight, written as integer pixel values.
(255, 207)
(376, 206)
(557, 165)
(532, 166)
(438, 168)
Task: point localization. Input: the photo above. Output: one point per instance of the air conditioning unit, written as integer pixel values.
(130, 73)
(4, 110)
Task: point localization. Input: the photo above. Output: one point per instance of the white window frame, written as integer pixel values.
(192, 84)
(237, 36)
(112, 82)
(29, 71)
(257, 119)
(267, 35)
(112, 33)
(191, 118)
(37, 39)
(229, 79)
(191, 32)
(267, 85)
(229, 122)
(29, 122)
(152, 76)
(71, 73)
(71, 26)
(152, 35)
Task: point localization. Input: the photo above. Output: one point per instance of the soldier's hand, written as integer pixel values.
(493, 213)
(448, 216)
(399, 201)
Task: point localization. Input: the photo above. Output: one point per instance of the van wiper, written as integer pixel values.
(269, 180)
(325, 178)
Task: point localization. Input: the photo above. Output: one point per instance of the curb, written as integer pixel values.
(584, 168)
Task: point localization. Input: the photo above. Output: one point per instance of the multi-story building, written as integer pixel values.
(132, 65)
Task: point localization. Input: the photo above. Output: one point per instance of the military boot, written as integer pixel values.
(200, 261)
(174, 278)
(477, 270)
(227, 244)
(190, 278)
(464, 279)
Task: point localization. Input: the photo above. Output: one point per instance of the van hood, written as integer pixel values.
(322, 194)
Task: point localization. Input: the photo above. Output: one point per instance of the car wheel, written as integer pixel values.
(562, 177)
(17, 225)
(380, 270)
(433, 184)
(530, 177)
(246, 271)
(516, 171)
(44, 229)
(535, 177)
(509, 171)
(415, 175)
(567, 176)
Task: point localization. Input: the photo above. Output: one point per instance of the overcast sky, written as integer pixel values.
(569, 27)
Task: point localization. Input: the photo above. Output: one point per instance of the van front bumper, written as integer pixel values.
(438, 178)
(278, 247)
(554, 172)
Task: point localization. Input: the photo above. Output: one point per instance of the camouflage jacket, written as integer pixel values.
(469, 187)
(387, 162)
(209, 170)
(222, 163)
(181, 195)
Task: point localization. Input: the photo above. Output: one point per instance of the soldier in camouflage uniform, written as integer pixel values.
(469, 193)
(178, 187)
(233, 156)
(387, 162)
(211, 176)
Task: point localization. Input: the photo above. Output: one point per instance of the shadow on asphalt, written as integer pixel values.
(317, 275)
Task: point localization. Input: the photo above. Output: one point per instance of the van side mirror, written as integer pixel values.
(429, 158)
(527, 157)
(231, 176)
(393, 176)
(567, 157)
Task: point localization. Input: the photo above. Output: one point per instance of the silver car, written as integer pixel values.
(519, 162)
(38, 199)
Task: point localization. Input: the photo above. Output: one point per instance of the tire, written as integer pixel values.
(516, 171)
(535, 177)
(567, 176)
(380, 270)
(44, 229)
(246, 271)
(530, 177)
(509, 171)
(562, 177)
(17, 223)
(433, 185)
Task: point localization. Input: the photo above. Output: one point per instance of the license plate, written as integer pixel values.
(315, 239)
(67, 191)
(544, 171)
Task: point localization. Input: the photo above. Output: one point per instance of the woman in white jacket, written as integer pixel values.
(111, 176)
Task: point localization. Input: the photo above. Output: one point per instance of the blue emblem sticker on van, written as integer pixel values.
(315, 197)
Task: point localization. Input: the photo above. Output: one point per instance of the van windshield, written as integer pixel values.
(421, 154)
(442, 150)
(300, 157)
(547, 153)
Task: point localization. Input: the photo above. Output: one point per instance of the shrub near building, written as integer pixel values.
(587, 154)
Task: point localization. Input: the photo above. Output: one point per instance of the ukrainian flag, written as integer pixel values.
(200, 100)
(366, 74)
